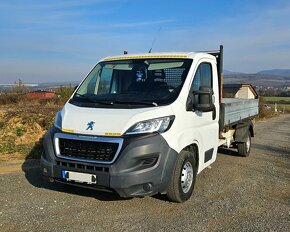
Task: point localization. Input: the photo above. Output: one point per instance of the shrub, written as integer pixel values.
(20, 131)
(19, 88)
(2, 124)
(11, 98)
(65, 92)
(263, 111)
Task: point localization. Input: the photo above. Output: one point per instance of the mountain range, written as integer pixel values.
(278, 72)
(278, 78)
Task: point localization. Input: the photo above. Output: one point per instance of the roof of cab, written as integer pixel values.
(171, 55)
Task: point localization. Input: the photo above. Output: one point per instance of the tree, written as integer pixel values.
(19, 88)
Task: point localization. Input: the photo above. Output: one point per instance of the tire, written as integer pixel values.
(183, 178)
(245, 147)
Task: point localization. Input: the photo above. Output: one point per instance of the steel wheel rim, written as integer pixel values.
(248, 144)
(186, 177)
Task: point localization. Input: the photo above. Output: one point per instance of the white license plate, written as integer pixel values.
(79, 177)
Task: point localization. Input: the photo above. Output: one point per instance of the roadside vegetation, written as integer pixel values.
(282, 103)
(24, 121)
(273, 106)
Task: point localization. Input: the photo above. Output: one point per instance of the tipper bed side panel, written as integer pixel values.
(236, 110)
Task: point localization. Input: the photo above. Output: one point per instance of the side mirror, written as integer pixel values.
(203, 99)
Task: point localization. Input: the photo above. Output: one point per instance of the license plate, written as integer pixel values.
(79, 177)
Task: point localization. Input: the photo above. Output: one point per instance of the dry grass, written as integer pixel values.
(265, 113)
(22, 126)
(282, 103)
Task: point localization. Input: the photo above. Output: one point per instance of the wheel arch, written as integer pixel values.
(195, 150)
(251, 129)
(242, 130)
(175, 190)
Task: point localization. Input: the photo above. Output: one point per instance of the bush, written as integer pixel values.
(2, 124)
(262, 109)
(11, 98)
(46, 123)
(65, 92)
(264, 112)
(20, 131)
(19, 88)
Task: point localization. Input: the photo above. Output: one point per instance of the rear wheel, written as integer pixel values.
(183, 179)
(245, 147)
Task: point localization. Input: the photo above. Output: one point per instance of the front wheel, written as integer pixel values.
(183, 179)
(245, 147)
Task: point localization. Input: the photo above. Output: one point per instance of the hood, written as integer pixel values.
(107, 122)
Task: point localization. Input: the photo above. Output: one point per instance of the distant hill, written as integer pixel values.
(40, 86)
(265, 80)
(228, 72)
(279, 72)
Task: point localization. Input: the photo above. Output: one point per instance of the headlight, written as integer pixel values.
(58, 120)
(151, 125)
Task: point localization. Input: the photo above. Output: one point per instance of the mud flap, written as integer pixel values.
(242, 130)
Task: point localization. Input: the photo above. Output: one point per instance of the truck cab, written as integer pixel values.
(140, 125)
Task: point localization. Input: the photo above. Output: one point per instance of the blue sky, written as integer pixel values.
(61, 40)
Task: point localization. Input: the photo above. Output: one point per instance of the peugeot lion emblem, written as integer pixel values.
(90, 125)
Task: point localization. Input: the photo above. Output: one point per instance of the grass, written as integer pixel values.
(23, 122)
(10, 150)
(280, 107)
(281, 103)
(277, 99)
(20, 131)
(21, 134)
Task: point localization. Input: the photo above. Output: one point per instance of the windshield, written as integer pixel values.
(133, 83)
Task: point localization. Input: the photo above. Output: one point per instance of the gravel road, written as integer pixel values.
(235, 194)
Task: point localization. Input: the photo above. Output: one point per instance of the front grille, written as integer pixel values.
(85, 167)
(88, 150)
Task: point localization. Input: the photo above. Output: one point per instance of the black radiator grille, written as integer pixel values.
(88, 150)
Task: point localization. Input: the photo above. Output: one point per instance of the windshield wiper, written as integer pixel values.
(90, 99)
(114, 101)
(136, 102)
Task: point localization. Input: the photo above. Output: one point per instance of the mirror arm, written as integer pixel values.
(204, 107)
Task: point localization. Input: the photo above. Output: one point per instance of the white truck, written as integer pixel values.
(145, 124)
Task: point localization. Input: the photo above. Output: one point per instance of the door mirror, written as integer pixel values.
(203, 99)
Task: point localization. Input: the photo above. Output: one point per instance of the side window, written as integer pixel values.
(206, 75)
(196, 80)
(202, 77)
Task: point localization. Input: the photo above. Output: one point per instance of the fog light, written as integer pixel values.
(44, 170)
(147, 187)
(150, 161)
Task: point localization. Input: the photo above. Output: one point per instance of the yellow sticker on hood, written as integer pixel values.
(112, 134)
(67, 130)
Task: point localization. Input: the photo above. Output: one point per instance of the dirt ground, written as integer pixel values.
(236, 194)
(22, 127)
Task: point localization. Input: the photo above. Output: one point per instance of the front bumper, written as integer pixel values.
(143, 167)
